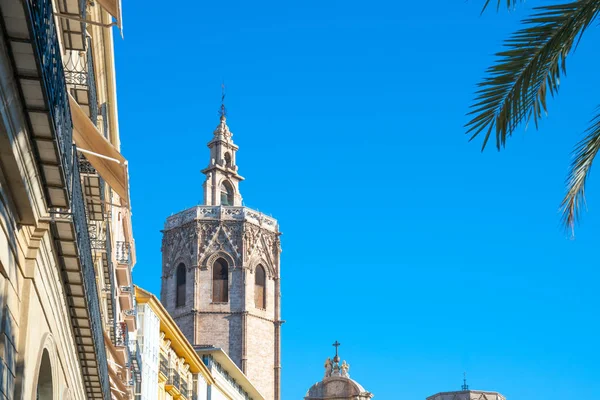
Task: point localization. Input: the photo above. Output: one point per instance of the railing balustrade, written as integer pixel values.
(123, 253)
(184, 388)
(47, 48)
(164, 366)
(174, 379)
(89, 276)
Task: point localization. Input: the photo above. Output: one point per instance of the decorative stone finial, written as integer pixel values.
(222, 131)
(333, 367)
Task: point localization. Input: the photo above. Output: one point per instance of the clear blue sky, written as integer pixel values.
(423, 256)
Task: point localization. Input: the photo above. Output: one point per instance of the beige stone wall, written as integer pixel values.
(246, 333)
(260, 353)
(33, 311)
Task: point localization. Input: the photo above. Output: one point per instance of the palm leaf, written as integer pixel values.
(509, 4)
(529, 68)
(583, 156)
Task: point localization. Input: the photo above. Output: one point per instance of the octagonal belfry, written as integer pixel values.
(221, 272)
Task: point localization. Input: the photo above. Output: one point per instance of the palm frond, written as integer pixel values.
(529, 68)
(509, 4)
(583, 157)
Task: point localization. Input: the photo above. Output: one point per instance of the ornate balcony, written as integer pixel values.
(34, 49)
(123, 267)
(122, 334)
(70, 228)
(184, 389)
(93, 189)
(81, 81)
(163, 368)
(123, 253)
(107, 273)
(173, 384)
(136, 360)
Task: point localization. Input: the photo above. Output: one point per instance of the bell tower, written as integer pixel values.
(221, 271)
(221, 186)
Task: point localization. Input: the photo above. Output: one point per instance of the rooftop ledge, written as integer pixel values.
(222, 213)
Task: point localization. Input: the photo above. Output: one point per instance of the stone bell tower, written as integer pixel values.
(221, 271)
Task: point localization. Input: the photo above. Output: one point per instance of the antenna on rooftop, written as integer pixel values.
(464, 385)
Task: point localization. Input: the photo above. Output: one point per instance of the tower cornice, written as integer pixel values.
(222, 213)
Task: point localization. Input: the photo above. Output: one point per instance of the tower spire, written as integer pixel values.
(223, 110)
(221, 187)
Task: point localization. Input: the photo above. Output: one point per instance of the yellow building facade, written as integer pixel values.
(171, 368)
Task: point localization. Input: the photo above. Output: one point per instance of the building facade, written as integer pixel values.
(171, 368)
(230, 381)
(221, 272)
(66, 247)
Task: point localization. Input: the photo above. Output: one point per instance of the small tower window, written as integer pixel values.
(220, 292)
(180, 292)
(227, 160)
(260, 288)
(226, 194)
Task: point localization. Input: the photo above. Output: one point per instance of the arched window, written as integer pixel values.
(180, 292)
(226, 194)
(220, 292)
(260, 288)
(228, 160)
(44, 383)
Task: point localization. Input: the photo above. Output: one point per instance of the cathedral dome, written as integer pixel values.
(337, 385)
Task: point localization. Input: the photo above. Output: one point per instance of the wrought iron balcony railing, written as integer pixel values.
(109, 279)
(79, 75)
(127, 289)
(89, 277)
(136, 360)
(122, 334)
(47, 49)
(84, 165)
(123, 253)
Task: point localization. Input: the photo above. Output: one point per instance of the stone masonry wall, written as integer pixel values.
(261, 355)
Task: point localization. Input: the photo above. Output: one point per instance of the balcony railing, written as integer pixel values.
(136, 360)
(184, 389)
(79, 75)
(122, 334)
(164, 366)
(126, 289)
(109, 278)
(89, 277)
(123, 253)
(174, 379)
(48, 52)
